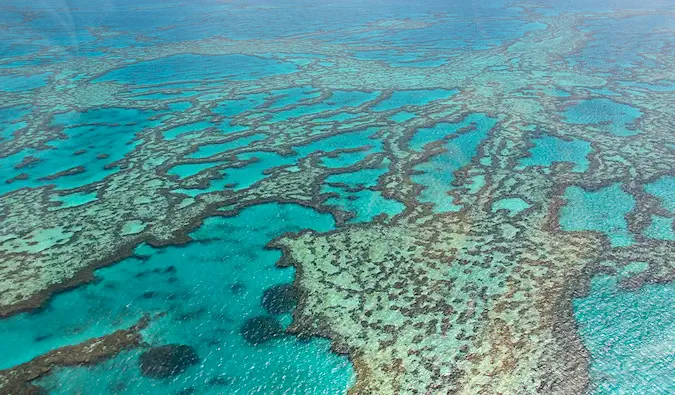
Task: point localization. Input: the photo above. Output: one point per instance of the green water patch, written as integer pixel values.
(349, 158)
(292, 96)
(188, 67)
(232, 107)
(208, 150)
(604, 92)
(662, 86)
(180, 106)
(603, 210)
(246, 176)
(339, 117)
(363, 178)
(443, 130)
(361, 140)
(93, 141)
(660, 228)
(175, 132)
(106, 116)
(402, 116)
(396, 58)
(172, 85)
(512, 205)
(190, 169)
(73, 199)
(238, 178)
(22, 83)
(365, 204)
(664, 189)
(352, 193)
(415, 97)
(338, 100)
(549, 149)
(10, 121)
(161, 95)
(387, 55)
(629, 335)
(607, 115)
(437, 174)
(208, 290)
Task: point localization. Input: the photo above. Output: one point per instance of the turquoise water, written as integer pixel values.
(93, 140)
(355, 192)
(602, 210)
(621, 325)
(660, 228)
(261, 162)
(436, 176)
(412, 98)
(512, 205)
(212, 128)
(610, 116)
(336, 101)
(18, 83)
(641, 33)
(548, 149)
(192, 67)
(208, 289)
(628, 333)
(664, 189)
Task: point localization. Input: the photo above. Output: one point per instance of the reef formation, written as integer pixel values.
(167, 361)
(476, 190)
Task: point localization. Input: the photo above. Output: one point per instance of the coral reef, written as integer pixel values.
(167, 361)
(478, 182)
(17, 380)
(280, 299)
(259, 330)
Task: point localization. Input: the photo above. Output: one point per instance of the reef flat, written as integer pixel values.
(447, 182)
(17, 380)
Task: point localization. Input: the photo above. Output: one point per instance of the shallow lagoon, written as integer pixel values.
(207, 289)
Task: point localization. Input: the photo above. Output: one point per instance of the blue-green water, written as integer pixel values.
(235, 123)
(208, 289)
(611, 116)
(437, 175)
(624, 326)
(602, 210)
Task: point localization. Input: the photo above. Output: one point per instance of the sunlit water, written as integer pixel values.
(202, 293)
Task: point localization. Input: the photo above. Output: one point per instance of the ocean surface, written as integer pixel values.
(298, 197)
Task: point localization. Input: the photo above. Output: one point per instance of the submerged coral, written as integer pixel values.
(167, 361)
(280, 299)
(18, 380)
(478, 181)
(259, 330)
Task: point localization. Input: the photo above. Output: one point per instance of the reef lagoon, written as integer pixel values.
(364, 197)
